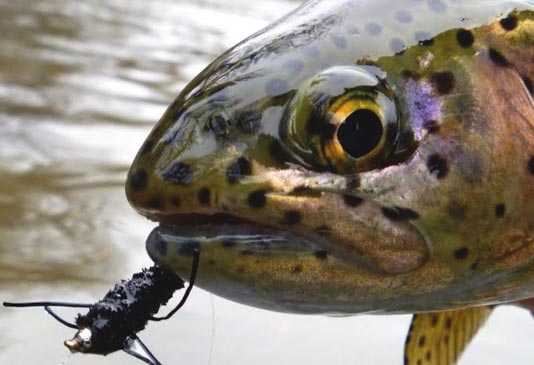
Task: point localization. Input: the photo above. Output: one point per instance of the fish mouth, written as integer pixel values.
(199, 219)
(223, 237)
(241, 260)
(186, 233)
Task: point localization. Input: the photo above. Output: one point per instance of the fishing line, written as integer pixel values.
(212, 345)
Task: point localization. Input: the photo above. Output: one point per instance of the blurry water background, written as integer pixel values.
(81, 84)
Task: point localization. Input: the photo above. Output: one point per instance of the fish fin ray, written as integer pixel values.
(439, 338)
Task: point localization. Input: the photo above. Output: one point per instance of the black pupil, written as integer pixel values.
(360, 133)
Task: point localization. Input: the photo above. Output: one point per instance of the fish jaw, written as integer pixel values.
(273, 269)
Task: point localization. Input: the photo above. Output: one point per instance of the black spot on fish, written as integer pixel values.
(397, 45)
(155, 203)
(178, 173)
(443, 82)
(321, 255)
(446, 339)
(138, 181)
(500, 209)
(399, 214)
(242, 167)
(474, 265)
(461, 253)
(434, 320)
(498, 58)
(531, 165)
(424, 38)
(226, 243)
(427, 42)
(373, 28)
(276, 87)
(528, 84)
(292, 217)
(188, 248)
(509, 23)
(147, 147)
(353, 182)
(403, 16)
(428, 356)
(278, 152)
(204, 196)
(432, 126)
(352, 201)
(465, 38)
(176, 201)
(339, 41)
(246, 252)
(422, 341)
(324, 231)
(437, 166)
(249, 123)
(297, 269)
(257, 199)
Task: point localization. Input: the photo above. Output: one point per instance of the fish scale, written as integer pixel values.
(383, 150)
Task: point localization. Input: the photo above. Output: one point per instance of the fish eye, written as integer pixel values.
(344, 120)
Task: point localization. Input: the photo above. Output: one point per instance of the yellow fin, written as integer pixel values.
(439, 338)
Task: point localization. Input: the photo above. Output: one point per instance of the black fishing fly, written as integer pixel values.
(112, 323)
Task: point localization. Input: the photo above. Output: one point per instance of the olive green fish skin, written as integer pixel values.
(432, 208)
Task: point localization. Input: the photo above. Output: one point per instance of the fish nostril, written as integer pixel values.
(220, 125)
